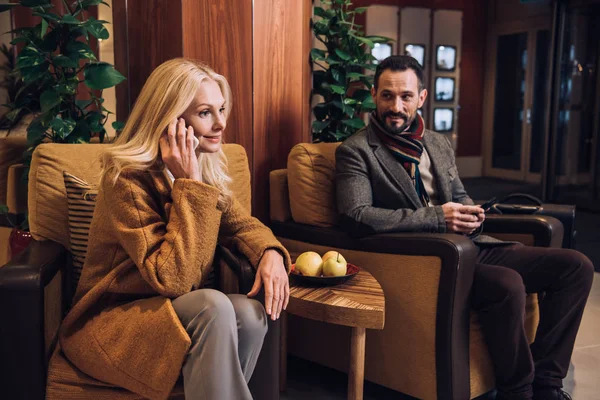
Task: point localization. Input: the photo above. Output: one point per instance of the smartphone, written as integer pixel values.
(488, 204)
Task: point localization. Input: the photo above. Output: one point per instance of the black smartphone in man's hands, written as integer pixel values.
(488, 204)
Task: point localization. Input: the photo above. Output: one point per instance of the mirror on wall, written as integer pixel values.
(381, 51)
(416, 51)
(444, 89)
(443, 119)
(445, 58)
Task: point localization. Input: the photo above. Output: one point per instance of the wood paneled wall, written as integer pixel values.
(227, 48)
(282, 42)
(261, 47)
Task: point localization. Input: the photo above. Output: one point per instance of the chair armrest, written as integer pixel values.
(238, 264)
(458, 256)
(29, 284)
(547, 231)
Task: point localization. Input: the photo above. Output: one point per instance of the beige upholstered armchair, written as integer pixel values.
(432, 346)
(36, 286)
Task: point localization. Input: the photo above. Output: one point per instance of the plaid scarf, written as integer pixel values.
(407, 148)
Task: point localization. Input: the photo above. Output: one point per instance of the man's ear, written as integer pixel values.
(422, 97)
(373, 92)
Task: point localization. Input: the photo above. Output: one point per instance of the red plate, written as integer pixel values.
(351, 272)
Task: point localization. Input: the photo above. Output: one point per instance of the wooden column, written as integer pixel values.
(261, 47)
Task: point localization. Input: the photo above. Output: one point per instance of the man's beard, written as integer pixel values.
(395, 130)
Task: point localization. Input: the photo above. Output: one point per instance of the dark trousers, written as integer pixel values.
(503, 276)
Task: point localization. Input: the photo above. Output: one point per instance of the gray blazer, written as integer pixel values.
(375, 194)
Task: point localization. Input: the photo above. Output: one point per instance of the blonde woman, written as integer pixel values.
(140, 316)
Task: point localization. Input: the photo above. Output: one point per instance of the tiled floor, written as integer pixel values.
(310, 381)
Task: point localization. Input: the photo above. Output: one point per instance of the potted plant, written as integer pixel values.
(341, 79)
(56, 67)
(57, 60)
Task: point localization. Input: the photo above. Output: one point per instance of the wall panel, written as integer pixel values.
(227, 48)
(280, 97)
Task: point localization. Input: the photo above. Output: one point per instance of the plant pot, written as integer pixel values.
(18, 241)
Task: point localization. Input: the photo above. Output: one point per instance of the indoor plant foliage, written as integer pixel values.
(55, 56)
(341, 80)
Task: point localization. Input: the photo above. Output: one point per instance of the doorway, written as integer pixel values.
(515, 98)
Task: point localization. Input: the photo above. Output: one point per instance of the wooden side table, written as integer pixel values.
(358, 303)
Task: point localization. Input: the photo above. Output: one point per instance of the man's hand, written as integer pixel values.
(462, 219)
(272, 274)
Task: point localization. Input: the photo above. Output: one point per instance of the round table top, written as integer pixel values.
(358, 302)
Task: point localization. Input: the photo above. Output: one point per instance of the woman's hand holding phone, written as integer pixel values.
(177, 148)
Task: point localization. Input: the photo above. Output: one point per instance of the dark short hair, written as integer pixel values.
(400, 63)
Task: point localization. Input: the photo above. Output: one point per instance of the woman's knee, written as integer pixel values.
(251, 315)
(208, 303)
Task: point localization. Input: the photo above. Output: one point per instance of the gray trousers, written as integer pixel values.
(227, 333)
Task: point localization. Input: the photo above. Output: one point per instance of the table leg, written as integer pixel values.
(356, 372)
(283, 353)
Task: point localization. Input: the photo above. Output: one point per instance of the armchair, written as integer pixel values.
(432, 346)
(35, 286)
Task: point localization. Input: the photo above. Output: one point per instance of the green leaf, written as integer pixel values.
(366, 41)
(48, 100)
(70, 20)
(101, 76)
(317, 54)
(321, 111)
(77, 50)
(35, 73)
(29, 57)
(349, 101)
(94, 120)
(43, 28)
(98, 30)
(3, 209)
(318, 126)
(118, 125)
(6, 7)
(354, 75)
(339, 76)
(337, 89)
(67, 88)
(62, 127)
(356, 123)
(368, 104)
(63, 61)
(342, 54)
(35, 131)
(19, 39)
(361, 94)
(379, 39)
(360, 10)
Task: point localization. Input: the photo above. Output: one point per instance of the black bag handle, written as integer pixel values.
(529, 197)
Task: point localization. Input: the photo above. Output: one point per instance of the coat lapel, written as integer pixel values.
(394, 169)
(440, 168)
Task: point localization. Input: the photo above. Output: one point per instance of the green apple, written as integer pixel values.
(335, 254)
(335, 266)
(309, 264)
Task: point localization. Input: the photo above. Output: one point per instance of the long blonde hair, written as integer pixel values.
(167, 93)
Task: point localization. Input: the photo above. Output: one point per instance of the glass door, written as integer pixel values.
(516, 95)
(576, 177)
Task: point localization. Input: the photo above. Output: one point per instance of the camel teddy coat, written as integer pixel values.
(150, 242)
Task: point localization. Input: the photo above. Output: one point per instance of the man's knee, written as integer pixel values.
(512, 288)
(251, 315)
(581, 266)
